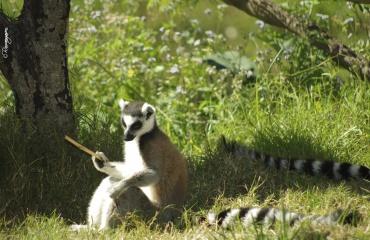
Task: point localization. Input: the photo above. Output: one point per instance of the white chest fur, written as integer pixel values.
(133, 159)
(134, 163)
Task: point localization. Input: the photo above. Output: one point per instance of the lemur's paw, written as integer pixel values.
(102, 155)
(100, 163)
(117, 189)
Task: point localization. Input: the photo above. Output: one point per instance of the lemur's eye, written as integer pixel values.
(123, 123)
(136, 125)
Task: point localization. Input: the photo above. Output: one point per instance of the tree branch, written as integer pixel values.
(270, 13)
(274, 15)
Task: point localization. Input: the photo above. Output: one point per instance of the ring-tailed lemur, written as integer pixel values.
(335, 170)
(154, 175)
(246, 216)
(267, 216)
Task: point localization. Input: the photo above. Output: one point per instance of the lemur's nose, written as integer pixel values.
(129, 137)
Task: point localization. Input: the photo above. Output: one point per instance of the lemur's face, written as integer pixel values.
(137, 118)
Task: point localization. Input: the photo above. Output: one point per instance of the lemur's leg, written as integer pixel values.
(135, 200)
(101, 205)
(105, 212)
(108, 211)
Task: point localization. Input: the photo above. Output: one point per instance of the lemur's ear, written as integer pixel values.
(147, 110)
(122, 104)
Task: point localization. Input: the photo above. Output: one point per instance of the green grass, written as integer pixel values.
(299, 125)
(307, 115)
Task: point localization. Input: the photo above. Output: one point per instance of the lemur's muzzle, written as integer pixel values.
(129, 137)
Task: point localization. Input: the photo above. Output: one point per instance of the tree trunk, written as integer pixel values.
(39, 168)
(34, 61)
(273, 14)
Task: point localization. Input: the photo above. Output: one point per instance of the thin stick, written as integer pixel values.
(83, 148)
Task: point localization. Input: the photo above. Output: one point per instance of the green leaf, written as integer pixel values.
(231, 60)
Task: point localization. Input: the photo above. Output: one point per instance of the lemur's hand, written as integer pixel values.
(100, 163)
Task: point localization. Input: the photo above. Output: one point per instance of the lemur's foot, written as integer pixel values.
(100, 163)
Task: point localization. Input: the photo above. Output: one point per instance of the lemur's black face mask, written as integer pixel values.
(130, 131)
(137, 119)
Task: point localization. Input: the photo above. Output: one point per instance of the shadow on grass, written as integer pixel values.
(219, 173)
(64, 185)
(32, 184)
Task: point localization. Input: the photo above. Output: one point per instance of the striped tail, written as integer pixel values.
(335, 170)
(267, 216)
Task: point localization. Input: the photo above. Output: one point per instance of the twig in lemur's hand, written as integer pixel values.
(83, 148)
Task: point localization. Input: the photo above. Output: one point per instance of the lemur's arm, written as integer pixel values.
(146, 177)
(114, 169)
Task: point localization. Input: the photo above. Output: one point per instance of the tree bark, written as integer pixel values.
(34, 62)
(274, 15)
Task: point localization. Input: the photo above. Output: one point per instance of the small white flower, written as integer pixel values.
(179, 50)
(350, 5)
(262, 24)
(168, 57)
(322, 16)
(210, 34)
(304, 3)
(194, 21)
(197, 42)
(95, 14)
(222, 6)
(350, 19)
(175, 69)
(249, 73)
(179, 89)
(164, 49)
(92, 29)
